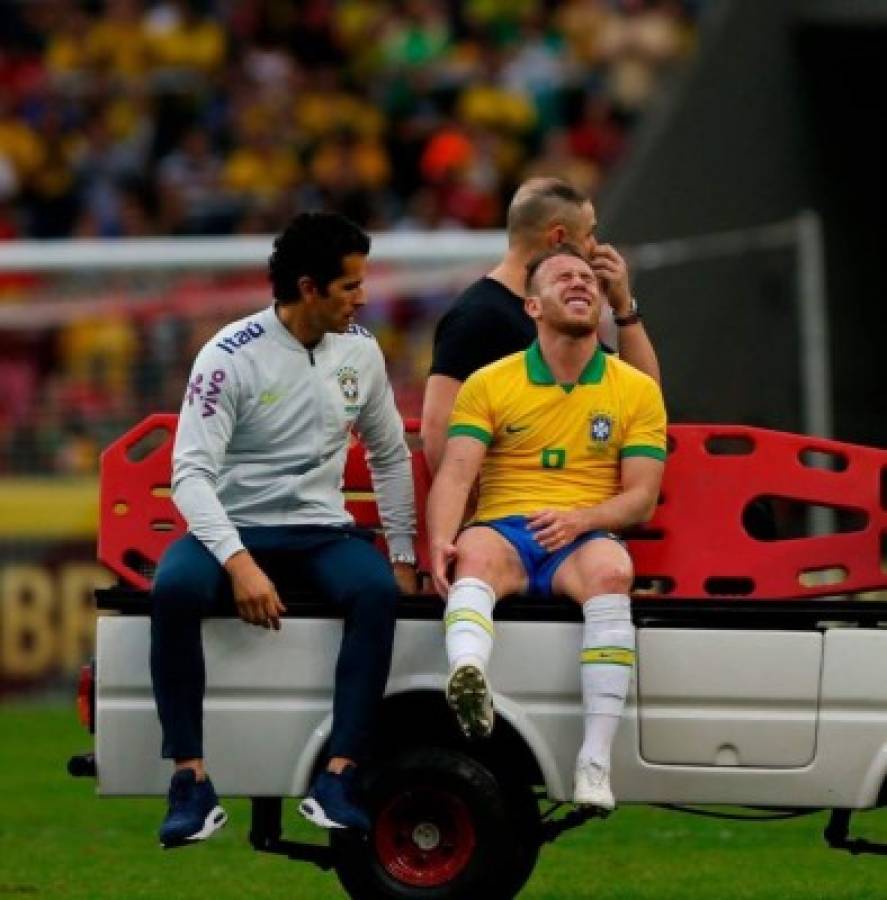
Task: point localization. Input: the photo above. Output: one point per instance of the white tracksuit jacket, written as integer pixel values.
(264, 431)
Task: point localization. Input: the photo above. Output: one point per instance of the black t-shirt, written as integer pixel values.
(486, 322)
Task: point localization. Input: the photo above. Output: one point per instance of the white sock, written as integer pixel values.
(468, 620)
(607, 659)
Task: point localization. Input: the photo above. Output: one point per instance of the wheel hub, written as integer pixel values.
(426, 836)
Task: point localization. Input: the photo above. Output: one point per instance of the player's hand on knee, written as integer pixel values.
(442, 557)
(555, 528)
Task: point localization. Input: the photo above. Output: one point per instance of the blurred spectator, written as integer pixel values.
(597, 135)
(558, 160)
(323, 107)
(425, 212)
(51, 192)
(183, 43)
(190, 181)
(66, 55)
(117, 43)
(418, 37)
(104, 168)
(537, 67)
(259, 170)
(99, 353)
(78, 451)
(20, 147)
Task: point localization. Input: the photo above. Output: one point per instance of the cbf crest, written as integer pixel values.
(600, 428)
(348, 384)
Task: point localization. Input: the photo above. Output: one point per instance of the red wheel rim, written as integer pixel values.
(425, 837)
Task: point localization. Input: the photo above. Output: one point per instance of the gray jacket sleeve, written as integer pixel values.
(381, 430)
(206, 423)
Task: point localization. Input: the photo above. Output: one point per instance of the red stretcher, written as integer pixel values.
(716, 532)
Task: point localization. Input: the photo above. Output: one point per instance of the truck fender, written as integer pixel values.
(510, 711)
(514, 714)
(309, 758)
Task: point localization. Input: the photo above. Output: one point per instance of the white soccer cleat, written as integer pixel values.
(592, 787)
(469, 696)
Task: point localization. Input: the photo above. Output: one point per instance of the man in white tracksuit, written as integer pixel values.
(258, 462)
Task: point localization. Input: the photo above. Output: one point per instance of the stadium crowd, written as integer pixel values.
(179, 117)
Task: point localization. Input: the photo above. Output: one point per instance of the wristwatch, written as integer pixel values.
(632, 317)
(408, 559)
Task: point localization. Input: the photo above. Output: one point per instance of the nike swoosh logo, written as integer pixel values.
(268, 397)
(514, 429)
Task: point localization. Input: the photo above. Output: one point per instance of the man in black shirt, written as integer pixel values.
(488, 321)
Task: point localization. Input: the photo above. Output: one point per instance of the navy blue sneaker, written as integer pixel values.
(330, 802)
(194, 812)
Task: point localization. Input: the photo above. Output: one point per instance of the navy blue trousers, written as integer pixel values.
(341, 564)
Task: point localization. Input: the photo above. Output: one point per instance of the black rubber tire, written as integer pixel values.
(501, 856)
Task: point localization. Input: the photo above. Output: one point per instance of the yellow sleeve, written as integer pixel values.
(472, 415)
(645, 435)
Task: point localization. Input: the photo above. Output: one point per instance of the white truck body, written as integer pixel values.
(777, 718)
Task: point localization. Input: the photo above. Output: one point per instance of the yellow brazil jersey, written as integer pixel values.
(553, 446)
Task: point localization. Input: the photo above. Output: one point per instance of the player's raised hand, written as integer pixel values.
(555, 528)
(612, 272)
(442, 556)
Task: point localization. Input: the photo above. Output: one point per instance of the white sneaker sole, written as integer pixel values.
(468, 695)
(215, 821)
(313, 812)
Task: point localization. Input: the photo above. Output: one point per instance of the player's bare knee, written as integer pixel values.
(473, 563)
(486, 557)
(611, 578)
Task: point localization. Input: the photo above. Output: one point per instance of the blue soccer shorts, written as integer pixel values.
(539, 564)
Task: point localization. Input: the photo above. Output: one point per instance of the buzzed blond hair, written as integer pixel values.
(539, 203)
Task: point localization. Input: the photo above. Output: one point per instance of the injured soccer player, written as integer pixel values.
(569, 445)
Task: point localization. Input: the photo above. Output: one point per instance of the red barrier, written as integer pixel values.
(700, 544)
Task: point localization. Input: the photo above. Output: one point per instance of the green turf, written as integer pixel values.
(58, 840)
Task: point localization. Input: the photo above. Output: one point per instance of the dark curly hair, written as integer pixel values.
(313, 244)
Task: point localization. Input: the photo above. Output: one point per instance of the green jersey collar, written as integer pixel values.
(539, 373)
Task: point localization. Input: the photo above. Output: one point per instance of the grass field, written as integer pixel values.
(58, 840)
